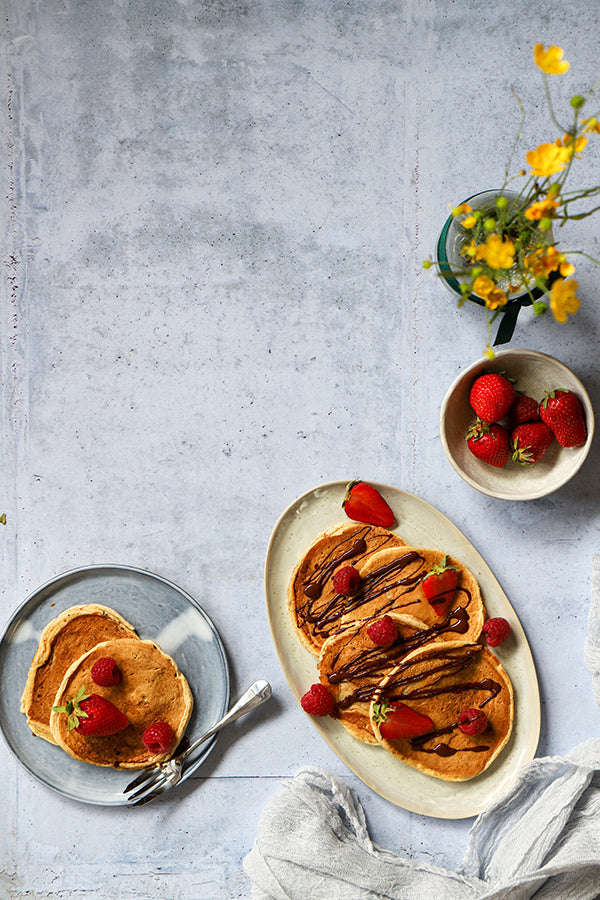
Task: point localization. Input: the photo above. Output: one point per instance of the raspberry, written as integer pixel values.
(105, 672)
(472, 721)
(317, 701)
(383, 632)
(496, 631)
(346, 581)
(158, 737)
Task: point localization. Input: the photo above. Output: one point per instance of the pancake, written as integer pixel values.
(392, 582)
(65, 638)
(315, 609)
(440, 680)
(151, 689)
(352, 667)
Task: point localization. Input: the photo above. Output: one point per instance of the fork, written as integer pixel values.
(153, 782)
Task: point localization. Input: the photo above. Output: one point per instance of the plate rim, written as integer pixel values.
(534, 715)
(95, 569)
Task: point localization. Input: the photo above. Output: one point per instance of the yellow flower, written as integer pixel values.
(563, 300)
(591, 124)
(461, 209)
(485, 288)
(548, 259)
(547, 159)
(551, 60)
(572, 146)
(542, 209)
(499, 253)
(468, 221)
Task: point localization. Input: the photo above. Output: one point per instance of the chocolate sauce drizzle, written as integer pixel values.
(393, 585)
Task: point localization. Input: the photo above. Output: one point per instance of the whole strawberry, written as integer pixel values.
(530, 442)
(562, 412)
(347, 581)
(491, 396)
(93, 715)
(489, 443)
(524, 409)
(317, 701)
(364, 503)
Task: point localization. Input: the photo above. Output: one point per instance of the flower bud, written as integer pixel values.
(545, 224)
(577, 101)
(501, 202)
(489, 224)
(539, 308)
(427, 264)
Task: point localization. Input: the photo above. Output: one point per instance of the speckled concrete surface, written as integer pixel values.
(214, 216)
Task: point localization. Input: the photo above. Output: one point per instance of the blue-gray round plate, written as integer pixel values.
(159, 611)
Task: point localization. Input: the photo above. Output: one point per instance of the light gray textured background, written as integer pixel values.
(214, 216)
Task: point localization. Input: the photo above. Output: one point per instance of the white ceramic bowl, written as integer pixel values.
(536, 374)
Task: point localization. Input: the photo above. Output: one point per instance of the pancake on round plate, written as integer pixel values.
(64, 639)
(393, 582)
(151, 689)
(440, 681)
(315, 609)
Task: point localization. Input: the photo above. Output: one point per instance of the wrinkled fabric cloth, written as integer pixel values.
(541, 839)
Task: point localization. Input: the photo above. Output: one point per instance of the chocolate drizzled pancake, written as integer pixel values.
(352, 666)
(151, 689)
(440, 680)
(315, 608)
(64, 639)
(392, 582)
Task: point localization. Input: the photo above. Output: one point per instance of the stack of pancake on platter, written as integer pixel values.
(150, 688)
(438, 667)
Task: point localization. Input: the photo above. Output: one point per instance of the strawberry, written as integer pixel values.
(530, 442)
(383, 632)
(317, 701)
(562, 412)
(489, 443)
(364, 503)
(104, 672)
(472, 721)
(439, 586)
(158, 737)
(491, 396)
(93, 715)
(524, 409)
(346, 581)
(396, 721)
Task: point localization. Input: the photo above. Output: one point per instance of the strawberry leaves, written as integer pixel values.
(72, 708)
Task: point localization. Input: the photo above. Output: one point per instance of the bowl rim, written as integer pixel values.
(585, 448)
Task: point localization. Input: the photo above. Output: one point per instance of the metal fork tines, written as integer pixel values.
(153, 782)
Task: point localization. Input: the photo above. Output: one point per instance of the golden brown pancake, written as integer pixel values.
(151, 689)
(352, 667)
(63, 640)
(440, 680)
(392, 582)
(315, 608)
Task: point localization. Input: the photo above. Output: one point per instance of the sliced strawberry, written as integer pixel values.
(439, 586)
(364, 503)
(396, 721)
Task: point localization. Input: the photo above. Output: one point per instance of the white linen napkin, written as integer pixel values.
(541, 838)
